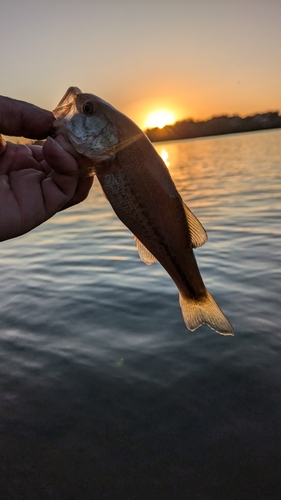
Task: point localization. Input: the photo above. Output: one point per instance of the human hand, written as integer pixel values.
(35, 182)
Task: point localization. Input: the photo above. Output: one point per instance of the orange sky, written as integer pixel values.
(196, 59)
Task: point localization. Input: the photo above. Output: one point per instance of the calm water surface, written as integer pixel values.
(104, 394)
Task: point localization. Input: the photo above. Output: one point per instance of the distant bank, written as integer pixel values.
(219, 125)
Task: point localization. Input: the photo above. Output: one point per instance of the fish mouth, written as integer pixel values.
(67, 104)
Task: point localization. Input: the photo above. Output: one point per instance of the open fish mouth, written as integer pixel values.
(67, 104)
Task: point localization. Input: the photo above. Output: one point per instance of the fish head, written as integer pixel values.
(88, 122)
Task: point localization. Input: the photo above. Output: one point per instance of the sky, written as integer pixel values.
(196, 59)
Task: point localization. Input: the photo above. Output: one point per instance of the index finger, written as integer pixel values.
(20, 118)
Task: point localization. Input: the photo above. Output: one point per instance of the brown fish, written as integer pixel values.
(142, 193)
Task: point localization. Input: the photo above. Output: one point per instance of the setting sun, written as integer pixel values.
(159, 118)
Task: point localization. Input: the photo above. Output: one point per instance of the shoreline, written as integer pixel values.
(221, 125)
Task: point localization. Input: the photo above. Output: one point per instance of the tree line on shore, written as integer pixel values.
(218, 125)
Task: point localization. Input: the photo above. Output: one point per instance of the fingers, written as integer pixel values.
(20, 118)
(58, 158)
(64, 159)
(83, 187)
(67, 146)
(60, 186)
(37, 152)
(66, 171)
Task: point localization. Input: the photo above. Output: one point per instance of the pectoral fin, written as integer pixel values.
(145, 255)
(197, 231)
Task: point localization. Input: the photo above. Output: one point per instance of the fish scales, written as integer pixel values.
(150, 221)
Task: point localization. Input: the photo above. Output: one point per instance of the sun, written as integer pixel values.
(159, 118)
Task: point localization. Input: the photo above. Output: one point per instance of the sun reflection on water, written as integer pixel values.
(165, 156)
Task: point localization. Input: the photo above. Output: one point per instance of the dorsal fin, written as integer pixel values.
(144, 253)
(197, 231)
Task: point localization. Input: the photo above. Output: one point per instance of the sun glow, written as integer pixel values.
(159, 118)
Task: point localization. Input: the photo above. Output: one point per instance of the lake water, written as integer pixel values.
(104, 394)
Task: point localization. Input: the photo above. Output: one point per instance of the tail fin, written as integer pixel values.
(204, 311)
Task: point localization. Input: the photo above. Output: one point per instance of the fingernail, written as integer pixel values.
(54, 142)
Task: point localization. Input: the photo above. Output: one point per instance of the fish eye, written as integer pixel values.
(88, 108)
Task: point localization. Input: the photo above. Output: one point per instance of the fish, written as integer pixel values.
(140, 189)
